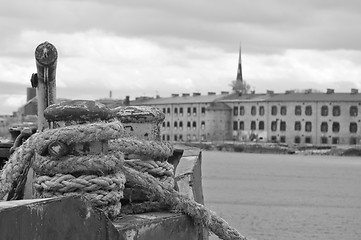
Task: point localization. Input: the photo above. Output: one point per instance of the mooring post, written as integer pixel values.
(46, 57)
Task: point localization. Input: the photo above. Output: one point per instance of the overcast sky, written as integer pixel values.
(150, 47)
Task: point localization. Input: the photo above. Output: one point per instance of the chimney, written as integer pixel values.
(211, 93)
(127, 101)
(330, 91)
(224, 92)
(354, 91)
(185, 95)
(196, 94)
(110, 94)
(270, 92)
(175, 95)
(30, 93)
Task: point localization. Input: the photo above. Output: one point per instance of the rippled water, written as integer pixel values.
(281, 197)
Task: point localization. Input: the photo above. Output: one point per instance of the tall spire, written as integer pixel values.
(239, 71)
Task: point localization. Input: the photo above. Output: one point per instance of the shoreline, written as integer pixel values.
(276, 148)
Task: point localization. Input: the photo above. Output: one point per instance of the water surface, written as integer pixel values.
(285, 197)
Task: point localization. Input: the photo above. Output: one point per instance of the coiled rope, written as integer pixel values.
(101, 178)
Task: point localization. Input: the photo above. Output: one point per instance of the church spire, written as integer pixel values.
(239, 72)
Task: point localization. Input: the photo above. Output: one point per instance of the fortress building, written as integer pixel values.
(307, 117)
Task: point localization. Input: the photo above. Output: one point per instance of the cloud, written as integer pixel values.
(303, 69)
(162, 47)
(11, 103)
(263, 25)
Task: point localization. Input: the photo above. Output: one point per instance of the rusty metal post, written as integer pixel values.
(46, 57)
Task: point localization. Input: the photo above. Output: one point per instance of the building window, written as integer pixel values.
(175, 125)
(274, 126)
(189, 125)
(297, 126)
(168, 124)
(336, 111)
(163, 124)
(335, 140)
(282, 139)
(308, 110)
(324, 111)
(324, 140)
(261, 125)
(180, 137)
(253, 110)
(203, 125)
(283, 110)
(175, 110)
(353, 111)
(175, 138)
(353, 141)
(181, 111)
(253, 125)
(194, 111)
(308, 140)
(335, 127)
(203, 138)
(353, 127)
(324, 127)
(298, 110)
(181, 125)
(168, 138)
(273, 139)
(241, 111)
(235, 125)
(168, 110)
(203, 110)
(241, 125)
(189, 109)
(308, 127)
(194, 125)
(235, 111)
(163, 137)
(274, 110)
(164, 111)
(261, 110)
(283, 126)
(297, 139)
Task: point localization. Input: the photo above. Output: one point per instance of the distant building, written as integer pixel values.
(315, 118)
(193, 117)
(293, 118)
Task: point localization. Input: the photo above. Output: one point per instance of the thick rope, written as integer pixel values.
(102, 163)
(151, 149)
(155, 168)
(163, 171)
(17, 164)
(105, 197)
(62, 183)
(79, 134)
(59, 176)
(181, 203)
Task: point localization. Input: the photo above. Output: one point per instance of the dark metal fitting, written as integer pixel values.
(34, 80)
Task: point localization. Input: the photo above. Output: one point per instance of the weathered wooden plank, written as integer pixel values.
(160, 226)
(55, 219)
